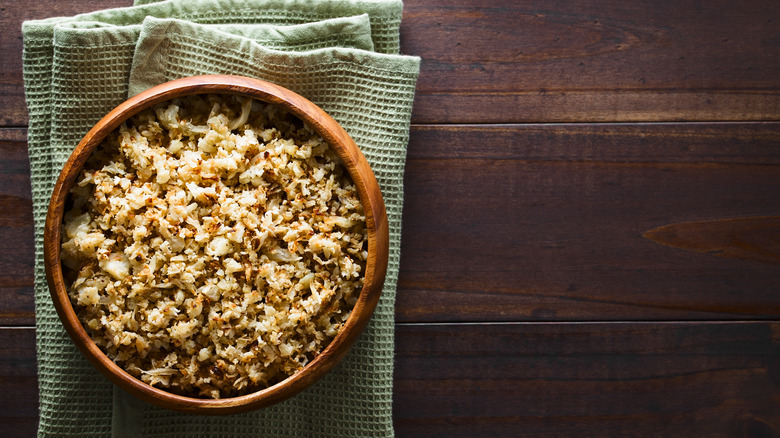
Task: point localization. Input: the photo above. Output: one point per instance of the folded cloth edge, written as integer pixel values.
(157, 32)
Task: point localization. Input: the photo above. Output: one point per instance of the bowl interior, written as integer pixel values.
(369, 194)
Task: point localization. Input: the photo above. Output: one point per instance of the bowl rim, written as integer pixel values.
(362, 176)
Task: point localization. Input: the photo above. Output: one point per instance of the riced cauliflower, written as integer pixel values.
(215, 245)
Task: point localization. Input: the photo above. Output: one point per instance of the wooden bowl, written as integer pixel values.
(362, 176)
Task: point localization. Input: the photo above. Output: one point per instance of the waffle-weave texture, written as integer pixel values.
(339, 54)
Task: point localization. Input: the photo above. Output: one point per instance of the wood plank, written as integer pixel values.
(564, 207)
(16, 231)
(590, 106)
(619, 379)
(525, 222)
(587, 380)
(488, 62)
(18, 383)
(596, 60)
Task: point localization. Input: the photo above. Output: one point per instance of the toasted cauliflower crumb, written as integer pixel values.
(217, 245)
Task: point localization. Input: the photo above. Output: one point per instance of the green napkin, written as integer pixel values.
(340, 54)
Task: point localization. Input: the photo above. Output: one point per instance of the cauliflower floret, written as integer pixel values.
(320, 243)
(218, 246)
(117, 265)
(202, 194)
(183, 330)
(232, 266)
(88, 296)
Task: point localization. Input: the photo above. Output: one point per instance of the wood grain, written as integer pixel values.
(591, 380)
(596, 60)
(752, 238)
(18, 383)
(16, 231)
(545, 222)
(564, 208)
(695, 379)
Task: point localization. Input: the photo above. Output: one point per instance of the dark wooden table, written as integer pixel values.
(549, 138)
